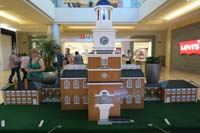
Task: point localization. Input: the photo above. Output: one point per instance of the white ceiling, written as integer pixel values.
(34, 21)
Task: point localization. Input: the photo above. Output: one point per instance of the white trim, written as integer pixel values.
(132, 77)
(104, 70)
(104, 55)
(71, 78)
(104, 83)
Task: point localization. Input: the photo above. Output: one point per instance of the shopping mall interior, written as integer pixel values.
(168, 29)
(145, 27)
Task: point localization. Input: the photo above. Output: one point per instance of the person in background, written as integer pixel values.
(24, 62)
(14, 66)
(78, 59)
(60, 59)
(68, 57)
(128, 57)
(35, 67)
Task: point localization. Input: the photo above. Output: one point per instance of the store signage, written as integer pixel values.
(86, 36)
(190, 47)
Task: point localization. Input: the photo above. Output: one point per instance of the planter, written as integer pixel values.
(49, 77)
(152, 72)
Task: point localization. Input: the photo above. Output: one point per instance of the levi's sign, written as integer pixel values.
(190, 47)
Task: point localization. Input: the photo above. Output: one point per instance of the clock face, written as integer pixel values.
(104, 40)
(104, 75)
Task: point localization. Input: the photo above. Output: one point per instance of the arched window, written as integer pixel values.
(66, 84)
(138, 83)
(76, 99)
(138, 99)
(85, 99)
(104, 98)
(129, 99)
(76, 84)
(129, 83)
(67, 99)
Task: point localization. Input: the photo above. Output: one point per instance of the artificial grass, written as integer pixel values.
(184, 117)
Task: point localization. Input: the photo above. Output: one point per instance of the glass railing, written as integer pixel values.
(92, 3)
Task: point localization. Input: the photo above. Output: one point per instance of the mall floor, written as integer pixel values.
(165, 75)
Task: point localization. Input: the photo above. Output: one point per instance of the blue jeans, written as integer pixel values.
(13, 71)
(57, 83)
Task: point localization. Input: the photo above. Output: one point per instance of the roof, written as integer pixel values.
(169, 84)
(156, 85)
(20, 86)
(84, 73)
(74, 74)
(103, 2)
(132, 73)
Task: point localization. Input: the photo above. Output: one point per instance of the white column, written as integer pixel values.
(104, 110)
(56, 33)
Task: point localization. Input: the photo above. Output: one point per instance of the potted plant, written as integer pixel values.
(48, 54)
(152, 69)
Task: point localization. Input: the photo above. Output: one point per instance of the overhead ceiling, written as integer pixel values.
(33, 21)
(28, 19)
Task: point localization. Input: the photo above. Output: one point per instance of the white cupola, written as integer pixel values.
(103, 12)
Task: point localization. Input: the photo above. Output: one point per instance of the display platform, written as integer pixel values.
(184, 117)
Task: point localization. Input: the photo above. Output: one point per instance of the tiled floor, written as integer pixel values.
(165, 75)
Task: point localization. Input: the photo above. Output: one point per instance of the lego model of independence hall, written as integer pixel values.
(104, 86)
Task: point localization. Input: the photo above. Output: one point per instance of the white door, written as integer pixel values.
(168, 100)
(6, 44)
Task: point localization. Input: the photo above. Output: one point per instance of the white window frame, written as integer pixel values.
(129, 83)
(85, 99)
(188, 98)
(7, 93)
(18, 93)
(67, 100)
(173, 98)
(183, 98)
(193, 98)
(67, 84)
(8, 101)
(178, 91)
(168, 91)
(137, 83)
(18, 100)
(138, 99)
(104, 62)
(34, 93)
(76, 99)
(13, 100)
(183, 91)
(84, 84)
(173, 91)
(194, 90)
(76, 84)
(178, 98)
(189, 90)
(129, 99)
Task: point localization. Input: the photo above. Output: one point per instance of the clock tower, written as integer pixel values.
(103, 34)
(104, 68)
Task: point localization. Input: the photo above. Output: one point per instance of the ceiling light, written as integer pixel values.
(8, 16)
(5, 26)
(92, 27)
(183, 10)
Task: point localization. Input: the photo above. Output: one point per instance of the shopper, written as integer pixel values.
(68, 57)
(128, 57)
(35, 67)
(78, 59)
(14, 67)
(24, 62)
(60, 59)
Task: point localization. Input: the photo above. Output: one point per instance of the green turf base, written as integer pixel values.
(184, 117)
